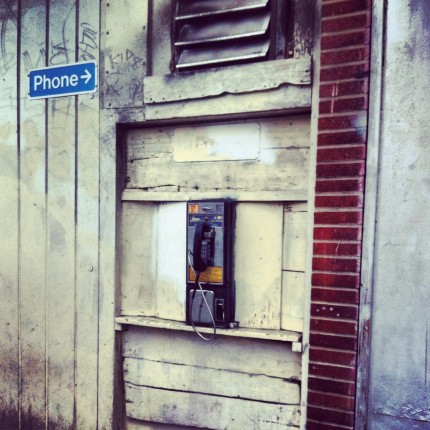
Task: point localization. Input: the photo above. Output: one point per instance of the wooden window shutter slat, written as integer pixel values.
(211, 33)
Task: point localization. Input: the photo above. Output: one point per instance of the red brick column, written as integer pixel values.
(341, 152)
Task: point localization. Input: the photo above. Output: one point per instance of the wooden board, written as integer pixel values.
(252, 356)
(9, 226)
(216, 142)
(138, 195)
(124, 321)
(161, 175)
(236, 79)
(293, 301)
(153, 260)
(109, 389)
(281, 165)
(216, 382)
(138, 231)
(190, 409)
(160, 41)
(33, 164)
(54, 354)
(258, 257)
(131, 424)
(175, 378)
(294, 239)
(293, 266)
(61, 208)
(304, 16)
(87, 228)
(171, 261)
(290, 98)
(125, 53)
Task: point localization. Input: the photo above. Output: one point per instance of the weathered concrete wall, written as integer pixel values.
(400, 373)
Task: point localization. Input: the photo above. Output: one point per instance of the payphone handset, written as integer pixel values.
(203, 246)
(210, 288)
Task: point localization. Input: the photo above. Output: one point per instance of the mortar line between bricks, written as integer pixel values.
(324, 363)
(346, 225)
(344, 97)
(337, 257)
(350, 14)
(343, 15)
(341, 130)
(341, 114)
(336, 289)
(335, 426)
(346, 32)
(348, 336)
(332, 409)
(342, 305)
(346, 209)
(345, 80)
(339, 65)
(342, 242)
(341, 145)
(324, 115)
(341, 193)
(338, 193)
(335, 319)
(348, 381)
(359, 13)
(345, 396)
(331, 272)
(326, 349)
(326, 163)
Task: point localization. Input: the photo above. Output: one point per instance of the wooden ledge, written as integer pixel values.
(277, 335)
(237, 79)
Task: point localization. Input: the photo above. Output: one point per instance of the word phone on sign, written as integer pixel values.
(65, 80)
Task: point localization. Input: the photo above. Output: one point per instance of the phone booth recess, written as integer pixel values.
(210, 294)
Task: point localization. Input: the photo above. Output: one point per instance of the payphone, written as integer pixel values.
(210, 295)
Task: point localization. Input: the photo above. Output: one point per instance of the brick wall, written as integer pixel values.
(341, 152)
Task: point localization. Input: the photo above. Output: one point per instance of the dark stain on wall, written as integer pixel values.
(421, 7)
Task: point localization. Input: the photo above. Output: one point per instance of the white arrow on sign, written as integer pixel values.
(87, 76)
(63, 80)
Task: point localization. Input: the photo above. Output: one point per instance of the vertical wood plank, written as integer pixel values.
(294, 238)
(33, 223)
(293, 296)
(161, 45)
(293, 266)
(258, 258)
(171, 261)
(138, 258)
(109, 393)
(109, 343)
(87, 226)
(61, 226)
(9, 153)
(125, 53)
(304, 16)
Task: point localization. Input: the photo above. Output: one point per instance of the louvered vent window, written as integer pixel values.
(212, 33)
